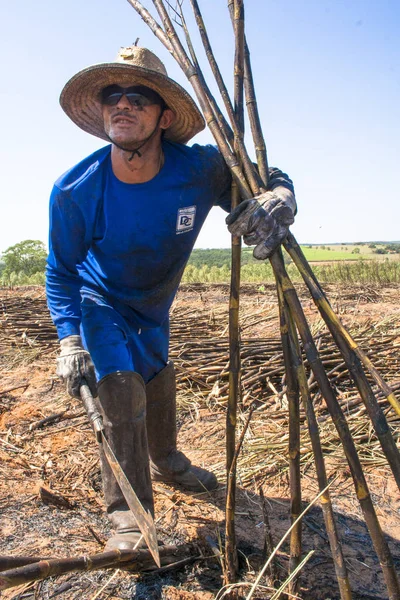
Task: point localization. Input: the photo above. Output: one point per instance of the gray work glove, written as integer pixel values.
(75, 366)
(264, 221)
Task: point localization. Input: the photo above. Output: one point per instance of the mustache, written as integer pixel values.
(121, 113)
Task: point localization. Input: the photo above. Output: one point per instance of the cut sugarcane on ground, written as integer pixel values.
(50, 497)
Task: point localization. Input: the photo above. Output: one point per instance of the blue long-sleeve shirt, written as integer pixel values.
(130, 242)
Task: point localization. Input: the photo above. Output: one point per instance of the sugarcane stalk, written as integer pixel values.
(332, 319)
(135, 560)
(291, 379)
(240, 149)
(292, 394)
(11, 562)
(231, 562)
(239, 66)
(254, 119)
(226, 129)
(326, 504)
(268, 540)
(190, 71)
(292, 385)
(231, 558)
(361, 487)
(238, 122)
(347, 346)
(252, 109)
(154, 26)
(213, 63)
(241, 439)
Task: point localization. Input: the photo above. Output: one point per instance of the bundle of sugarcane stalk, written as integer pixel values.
(21, 314)
(249, 182)
(203, 361)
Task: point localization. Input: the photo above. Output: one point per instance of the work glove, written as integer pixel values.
(75, 366)
(263, 221)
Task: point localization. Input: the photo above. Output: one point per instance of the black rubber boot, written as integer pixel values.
(122, 397)
(167, 463)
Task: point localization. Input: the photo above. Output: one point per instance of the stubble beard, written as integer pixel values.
(125, 139)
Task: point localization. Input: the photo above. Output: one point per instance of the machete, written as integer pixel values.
(144, 518)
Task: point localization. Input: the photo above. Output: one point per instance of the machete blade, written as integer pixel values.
(144, 519)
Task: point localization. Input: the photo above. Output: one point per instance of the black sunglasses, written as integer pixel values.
(138, 96)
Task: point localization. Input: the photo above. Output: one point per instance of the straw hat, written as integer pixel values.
(80, 97)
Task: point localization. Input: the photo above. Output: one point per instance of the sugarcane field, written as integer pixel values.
(50, 488)
(200, 367)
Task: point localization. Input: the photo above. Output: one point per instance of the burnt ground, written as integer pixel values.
(61, 455)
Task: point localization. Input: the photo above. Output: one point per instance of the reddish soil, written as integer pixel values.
(62, 457)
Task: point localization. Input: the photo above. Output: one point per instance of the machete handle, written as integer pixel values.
(91, 409)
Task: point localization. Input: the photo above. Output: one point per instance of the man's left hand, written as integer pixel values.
(264, 221)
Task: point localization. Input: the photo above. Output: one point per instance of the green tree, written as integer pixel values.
(27, 257)
(395, 248)
(356, 251)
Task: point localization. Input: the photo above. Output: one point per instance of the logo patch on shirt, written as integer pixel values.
(185, 219)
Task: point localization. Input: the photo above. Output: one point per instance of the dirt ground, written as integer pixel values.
(60, 455)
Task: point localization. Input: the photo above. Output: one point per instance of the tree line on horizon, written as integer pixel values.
(24, 263)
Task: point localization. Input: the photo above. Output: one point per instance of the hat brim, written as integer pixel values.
(80, 98)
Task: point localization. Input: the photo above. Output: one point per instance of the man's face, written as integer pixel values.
(129, 120)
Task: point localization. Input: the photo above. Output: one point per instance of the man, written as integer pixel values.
(122, 225)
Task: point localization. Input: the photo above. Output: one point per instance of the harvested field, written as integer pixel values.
(50, 490)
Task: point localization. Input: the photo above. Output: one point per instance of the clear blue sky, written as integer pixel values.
(328, 81)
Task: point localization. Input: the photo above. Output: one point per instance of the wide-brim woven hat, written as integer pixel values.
(80, 98)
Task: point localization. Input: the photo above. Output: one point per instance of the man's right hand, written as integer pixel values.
(75, 366)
